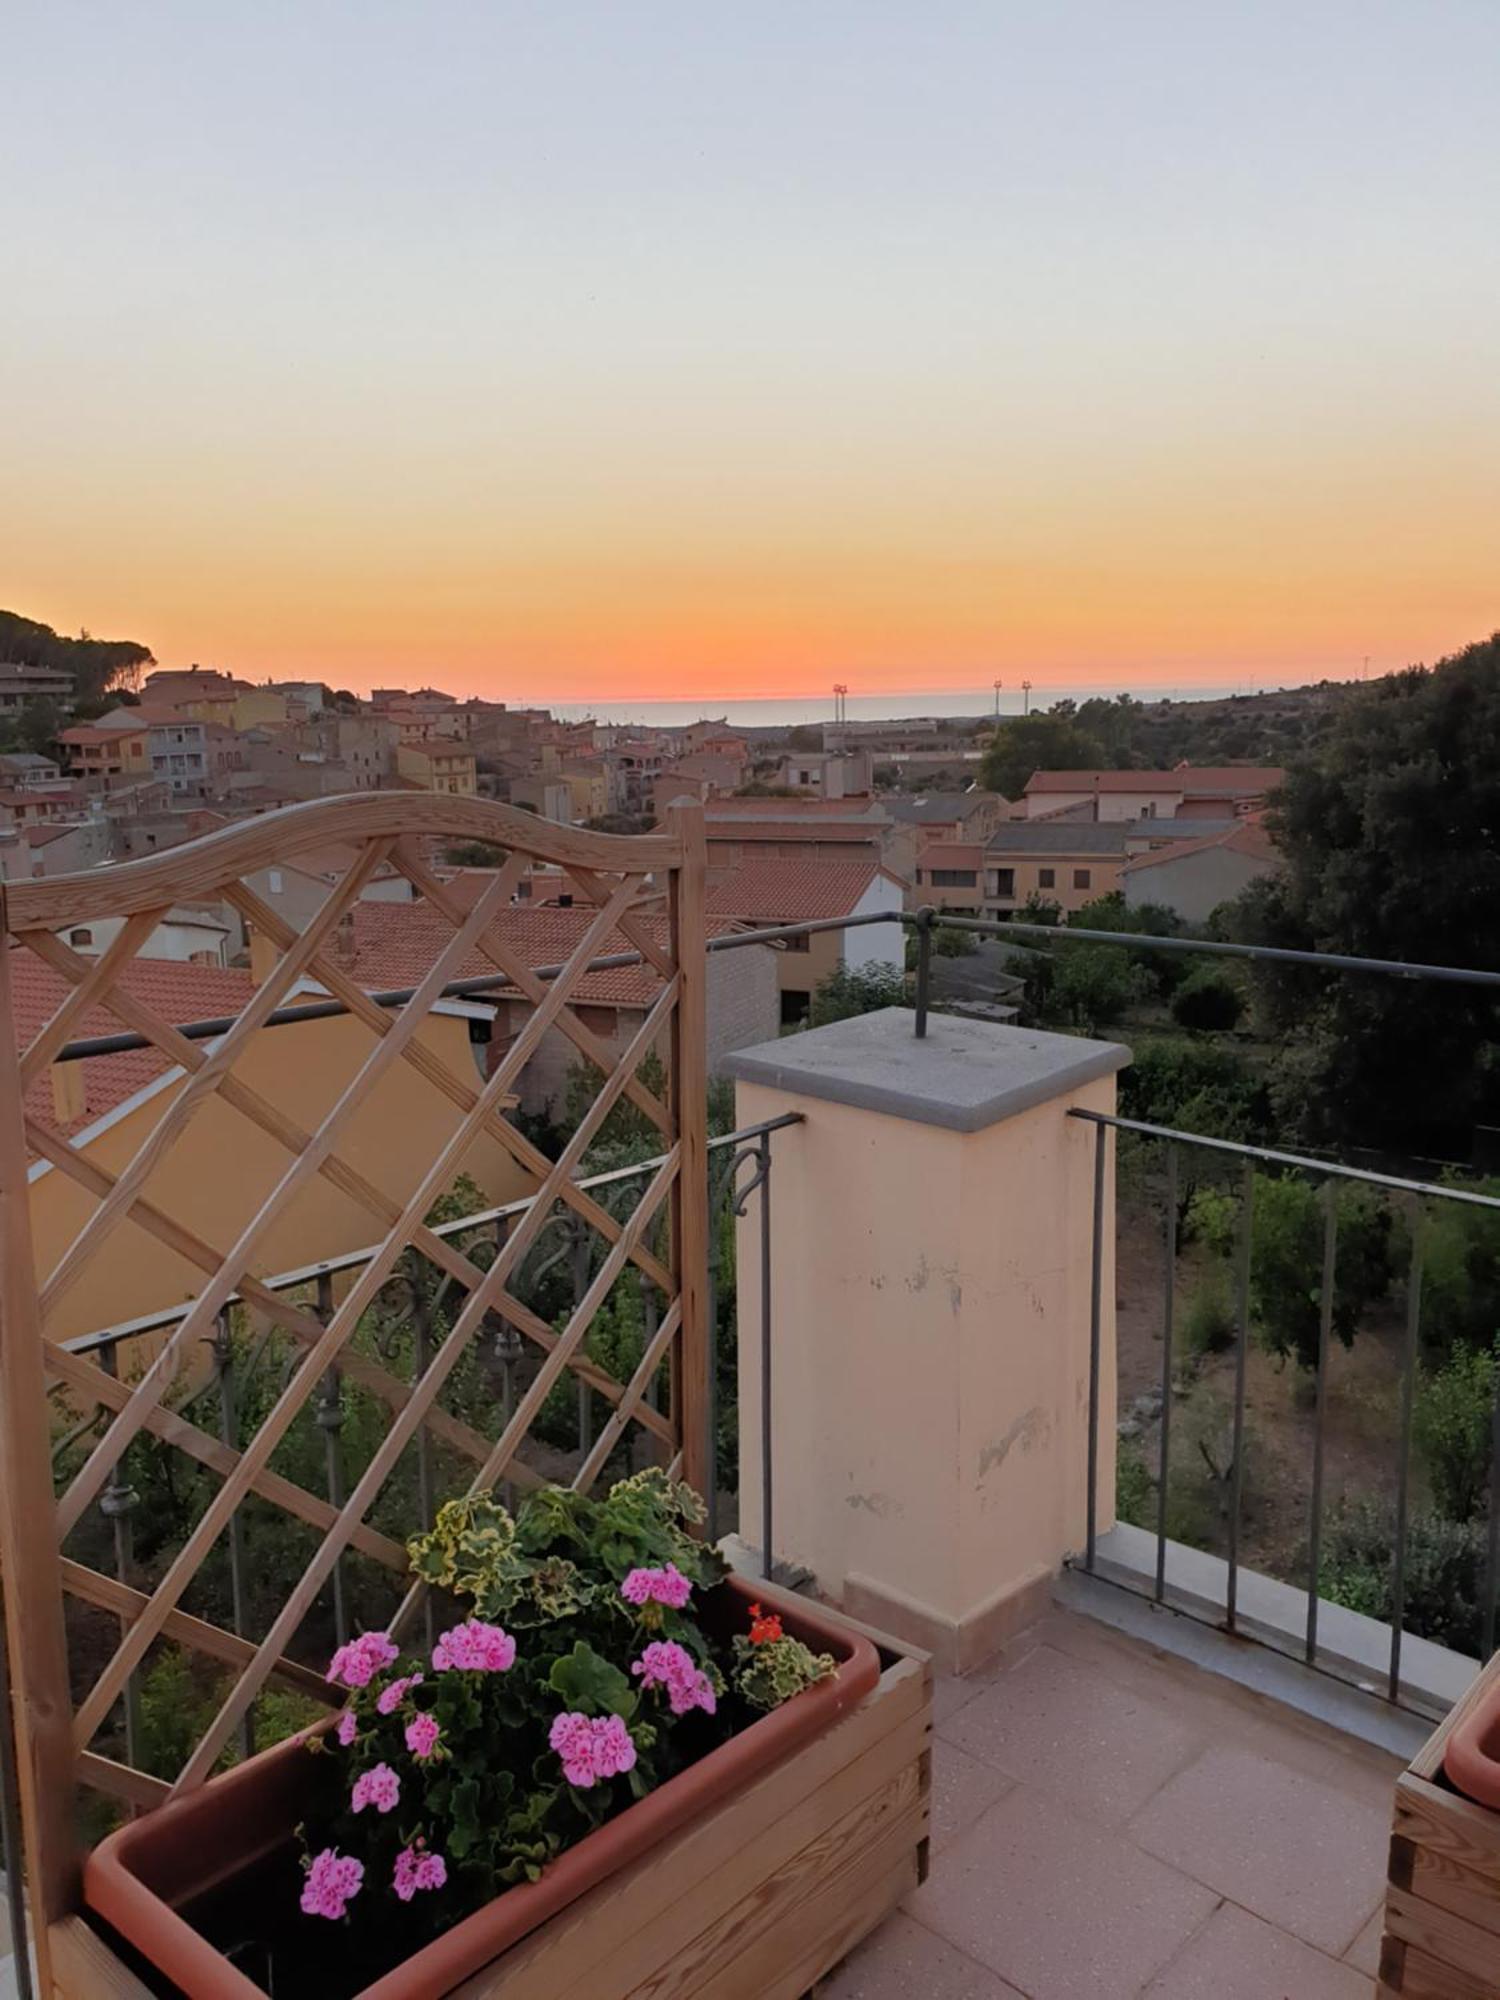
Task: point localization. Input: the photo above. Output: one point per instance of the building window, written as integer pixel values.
(953, 878)
(1005, 882)
(598, 1020)
(794, 1009)
(1046, 878)
(798, 943)
(80, 937)
(1080, 878)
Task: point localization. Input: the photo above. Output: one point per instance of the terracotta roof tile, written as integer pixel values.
(178, 993)
(790, 891)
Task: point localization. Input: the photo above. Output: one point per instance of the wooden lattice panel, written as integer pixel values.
(660, 1242)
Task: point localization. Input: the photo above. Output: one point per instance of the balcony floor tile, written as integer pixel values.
(1237, 1957)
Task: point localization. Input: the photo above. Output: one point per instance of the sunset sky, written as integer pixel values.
(642, 349)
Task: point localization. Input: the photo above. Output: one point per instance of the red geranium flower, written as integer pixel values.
(765, 1627)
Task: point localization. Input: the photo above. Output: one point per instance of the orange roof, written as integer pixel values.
(772, 808)
(951, 854)
(178, 993)
(1242, 778)
(1249, 838)
(824, 833)
(791, 891)
(396, 944)
(100, 733)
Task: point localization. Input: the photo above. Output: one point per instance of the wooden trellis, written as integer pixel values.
(610, 877)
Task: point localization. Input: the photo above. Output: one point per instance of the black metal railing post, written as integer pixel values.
(1320, 1413)
(1096, 1307)
(329, 1417)
(925, 919)
(117, 1503)
(1241, 1357)
(1403, 1470)
(223, 1359)
(1168, 1304)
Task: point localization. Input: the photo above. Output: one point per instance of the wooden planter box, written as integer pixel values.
(1442, 1908)
(755, 1900)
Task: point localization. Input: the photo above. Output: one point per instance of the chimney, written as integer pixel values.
(69, 1101)
(343, 940)
(263, 956)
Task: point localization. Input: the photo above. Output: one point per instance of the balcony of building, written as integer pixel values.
(1157, 1767)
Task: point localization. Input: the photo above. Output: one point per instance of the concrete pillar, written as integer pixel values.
(932, 1232)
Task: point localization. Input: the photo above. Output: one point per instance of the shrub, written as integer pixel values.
(1453, 1422)
(1092, 985)
(1195, 1086)
(1134, 1487)
(1461, 1273)
(855, 990)
(1209, 999)
(1208, 1322)
(1445, 1572)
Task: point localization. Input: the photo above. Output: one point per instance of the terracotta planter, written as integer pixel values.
(1471, 1756)
(146, 1873)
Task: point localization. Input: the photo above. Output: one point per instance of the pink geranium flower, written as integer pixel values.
(591, 1748)
(390, 1698)
(357, 1664)
(666, 1586)
(348, 1728)
(665, 1664)
(416, 1869)
(333, 1879)
(474, 1647)
(422, 1734)
(380, 1788)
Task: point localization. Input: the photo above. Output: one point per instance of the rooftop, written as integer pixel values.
(1066, 836)
(1247, 837)
(789, 891)
(1227, 778)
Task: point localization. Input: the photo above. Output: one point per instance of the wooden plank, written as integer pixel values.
(569, 1955)
(788, 1910)
(1448, 1825)
(191, 870)
(84, 1967)
(868, 1909)
(692, 1400)
(1444, 1936)
(1420, 1976)
(36, 1642)
(1434, 1878)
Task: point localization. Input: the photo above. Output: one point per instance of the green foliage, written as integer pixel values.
(1134, 1487)
(1039, 909)
(1391, 838)
(851, 990)
(493, 1798)
(1208, 1321)
(1091, 985)
(1445, 1570)
(1194, 1086)
(1461, 1271)
(1048, 741)
(1286, 1256)
(772, 1672)
(473, 854)
(1208, 999)
(95, 664)
(1160, 971)
(1452, 1424)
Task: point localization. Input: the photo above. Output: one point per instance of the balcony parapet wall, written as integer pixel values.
(930, 1314)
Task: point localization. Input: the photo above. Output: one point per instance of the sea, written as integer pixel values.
(781, 712)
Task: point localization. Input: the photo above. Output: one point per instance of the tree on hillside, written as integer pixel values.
(1050, 741)
(95, 664)
(1391, 834)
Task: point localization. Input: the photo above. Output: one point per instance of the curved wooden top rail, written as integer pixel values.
(155, 881)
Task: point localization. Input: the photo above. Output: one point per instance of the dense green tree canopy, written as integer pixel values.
(93, 663)
(1048, 741)
(1392, 840)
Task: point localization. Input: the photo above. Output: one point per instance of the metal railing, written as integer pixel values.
(1331, 1174)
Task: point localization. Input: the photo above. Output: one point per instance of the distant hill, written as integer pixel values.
(95, 664)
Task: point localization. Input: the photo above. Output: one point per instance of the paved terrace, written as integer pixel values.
(1112, 1821)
